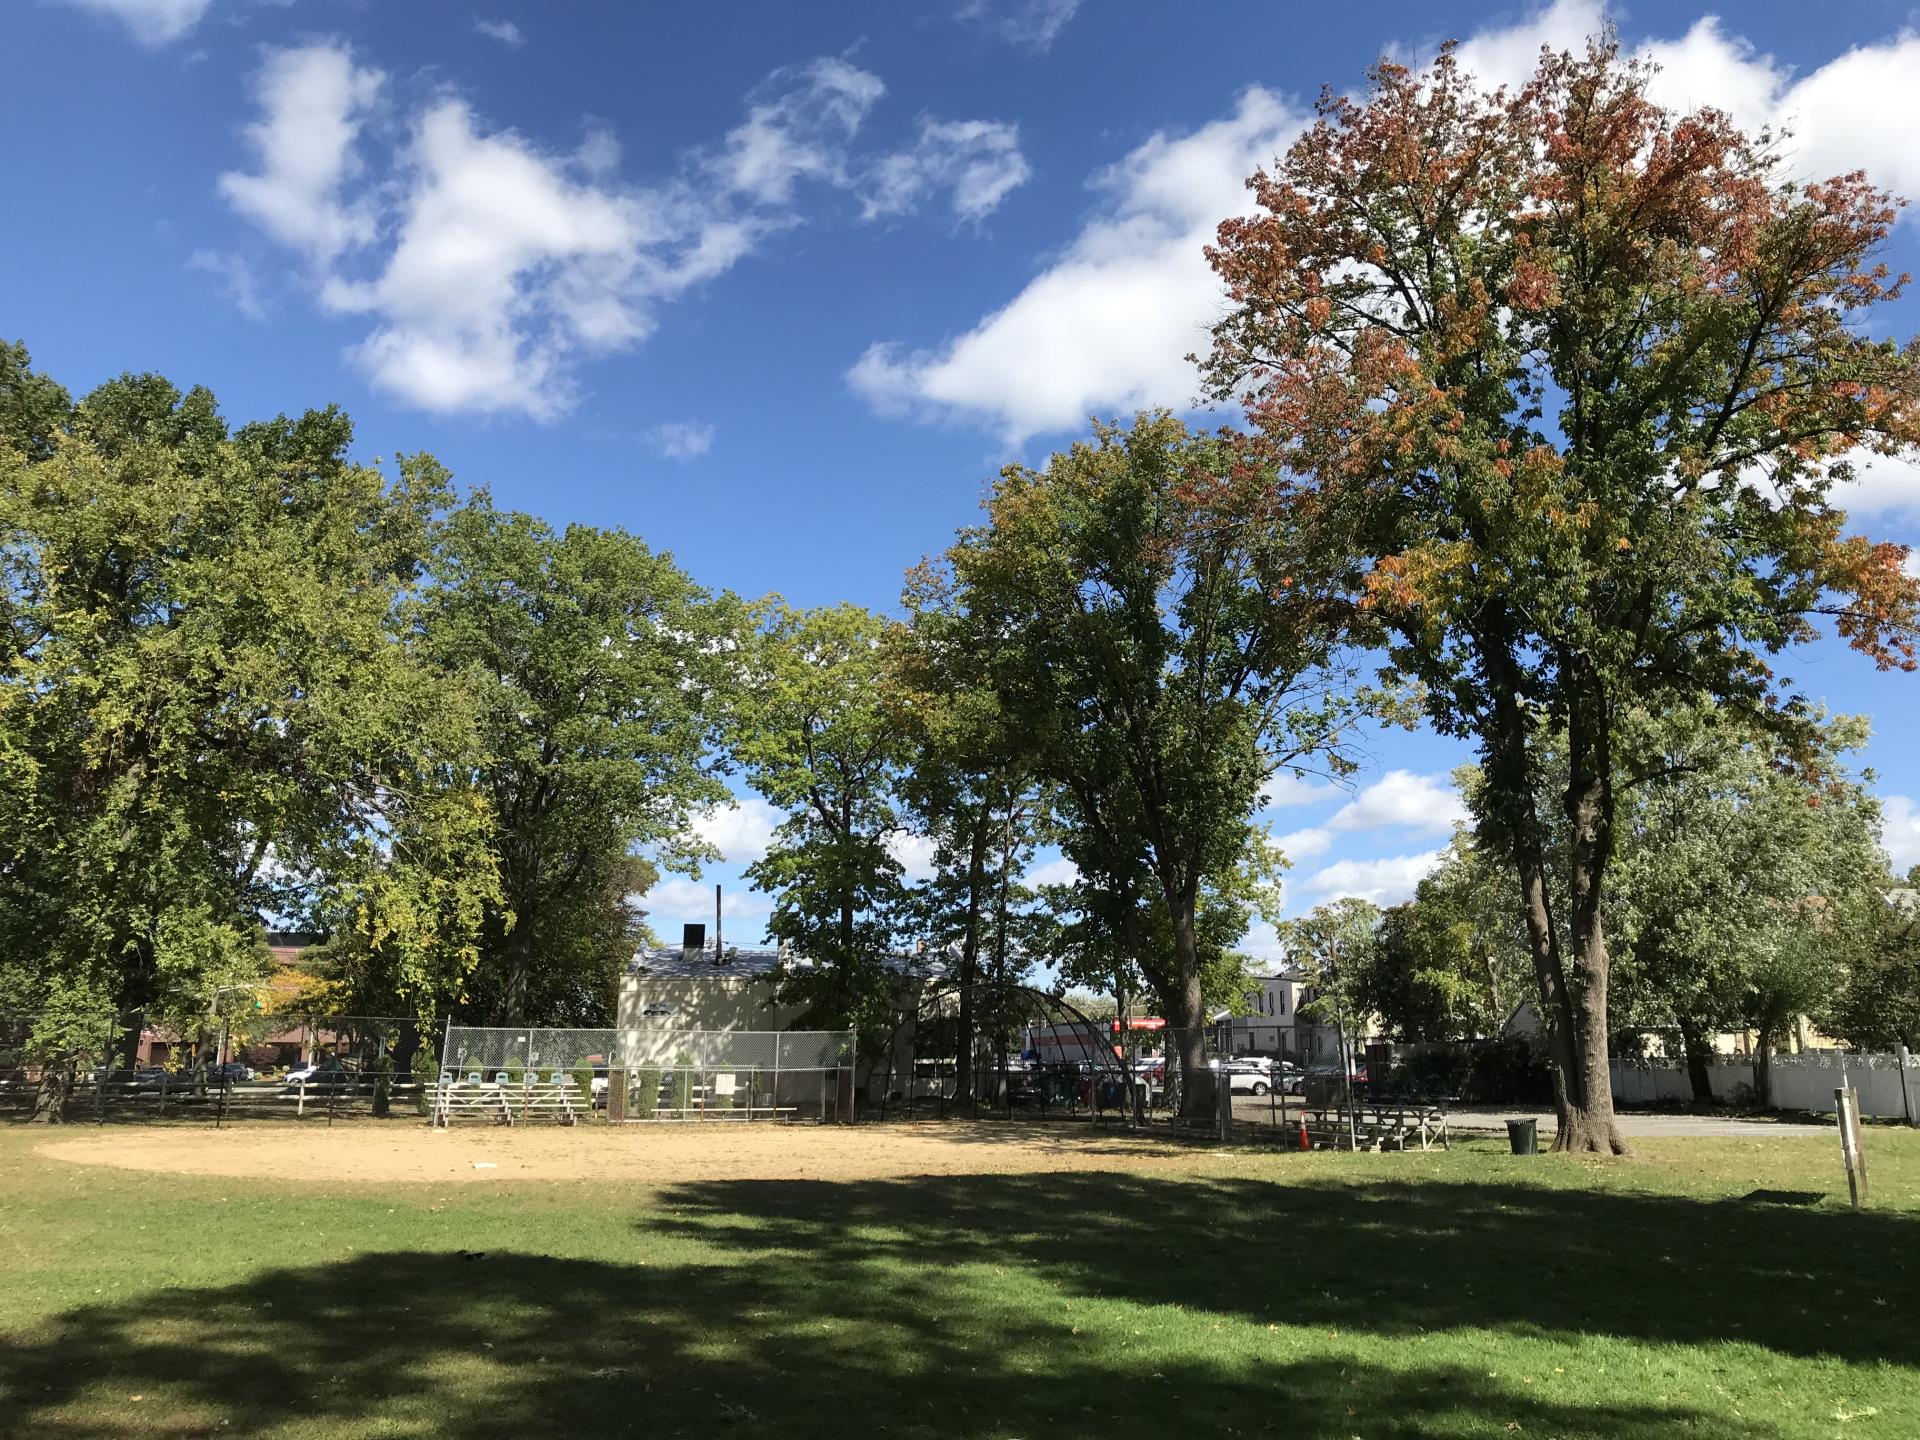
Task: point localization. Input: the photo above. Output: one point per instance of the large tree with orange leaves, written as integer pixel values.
(1579, 383)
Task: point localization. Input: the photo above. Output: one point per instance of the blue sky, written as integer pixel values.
(776, 286)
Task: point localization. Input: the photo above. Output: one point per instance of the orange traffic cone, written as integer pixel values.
(1305, 1143)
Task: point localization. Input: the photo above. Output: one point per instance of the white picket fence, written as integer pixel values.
(1800, 1082)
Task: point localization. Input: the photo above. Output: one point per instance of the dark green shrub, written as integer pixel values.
(646, 1095)
(383, 1087)
(1509, 1071)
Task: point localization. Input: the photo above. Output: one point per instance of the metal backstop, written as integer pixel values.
(507, 1074)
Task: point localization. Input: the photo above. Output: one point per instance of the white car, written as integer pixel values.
(1255, 1074)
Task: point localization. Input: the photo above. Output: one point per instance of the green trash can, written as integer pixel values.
(1523, 1136)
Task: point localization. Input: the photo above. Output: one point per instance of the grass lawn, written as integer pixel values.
(1462, 1294)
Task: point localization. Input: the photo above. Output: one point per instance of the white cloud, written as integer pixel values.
(1105, 327)
(681, 439)
(797, 126)
(599, 153)
(506, 267)
(314, 100)
(675, 902)
(1507, 55)
(1860, 110)
(1058, 871)
(1384, 882)
(1911, 565)
(1262, 942)
(1881, 485)
(1900, 831)
(1286, 789)
(150, 22)
(490, 268)
(1426, 804)
(505, 31)
(742, 831)
(235, 278)
(1030, 24)
(914, 852)
(978, 162)
(1301, 845)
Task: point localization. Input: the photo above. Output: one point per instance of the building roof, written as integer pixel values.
(672, 962)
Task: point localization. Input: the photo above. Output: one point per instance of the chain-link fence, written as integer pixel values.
(634, 1075)
(255, 1064)
(1146, 1075)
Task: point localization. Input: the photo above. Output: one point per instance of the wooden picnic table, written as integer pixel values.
(1381, 1124)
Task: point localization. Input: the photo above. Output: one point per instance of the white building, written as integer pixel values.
(1275, 1027)
(671, 993)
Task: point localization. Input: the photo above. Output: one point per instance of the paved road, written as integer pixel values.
(1488, 1118)
(1644, 1124)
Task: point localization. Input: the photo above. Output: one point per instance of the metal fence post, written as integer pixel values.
(225, 1078)
(106, 1070)
(1906, 1086)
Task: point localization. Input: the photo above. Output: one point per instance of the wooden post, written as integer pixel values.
(1906, 1087)
(1846, 1106)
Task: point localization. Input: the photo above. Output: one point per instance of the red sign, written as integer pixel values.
(1144, 1022)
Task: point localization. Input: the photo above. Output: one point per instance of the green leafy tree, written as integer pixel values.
(818, 738)
(34, 409)
(207, 714)
(1334, 946)
(602, 678)
(1161, 655)
(968, 788)
(1728, 859)
(1451, 963)
(1745, 882)
(1578, 384)
(1877, 1003)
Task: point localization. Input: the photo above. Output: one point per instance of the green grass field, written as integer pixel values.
(1462, 1294)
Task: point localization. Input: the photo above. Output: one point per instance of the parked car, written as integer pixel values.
(1250, 1074)
(234, 1072)
(328, 1071)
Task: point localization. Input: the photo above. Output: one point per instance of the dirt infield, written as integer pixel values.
(348, 1155)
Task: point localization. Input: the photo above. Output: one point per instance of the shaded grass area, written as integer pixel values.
(1713, 1288)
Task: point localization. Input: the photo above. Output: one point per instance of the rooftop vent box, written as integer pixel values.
(693, 939)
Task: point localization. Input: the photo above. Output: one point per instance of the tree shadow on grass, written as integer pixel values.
(1390, 1257)
(512, 1346)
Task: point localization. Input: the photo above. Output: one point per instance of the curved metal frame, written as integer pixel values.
(1099, 1042)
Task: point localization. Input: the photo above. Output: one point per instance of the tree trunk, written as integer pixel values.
(1763, 1067)
(963, 1088)
(1588, 1126)
(50, 1100)
(405, 1046)
(1693, 1040)
(126, 1047)
(513, 1000)
(1573, 1008)
(1189, 1018)
(200, 1063)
